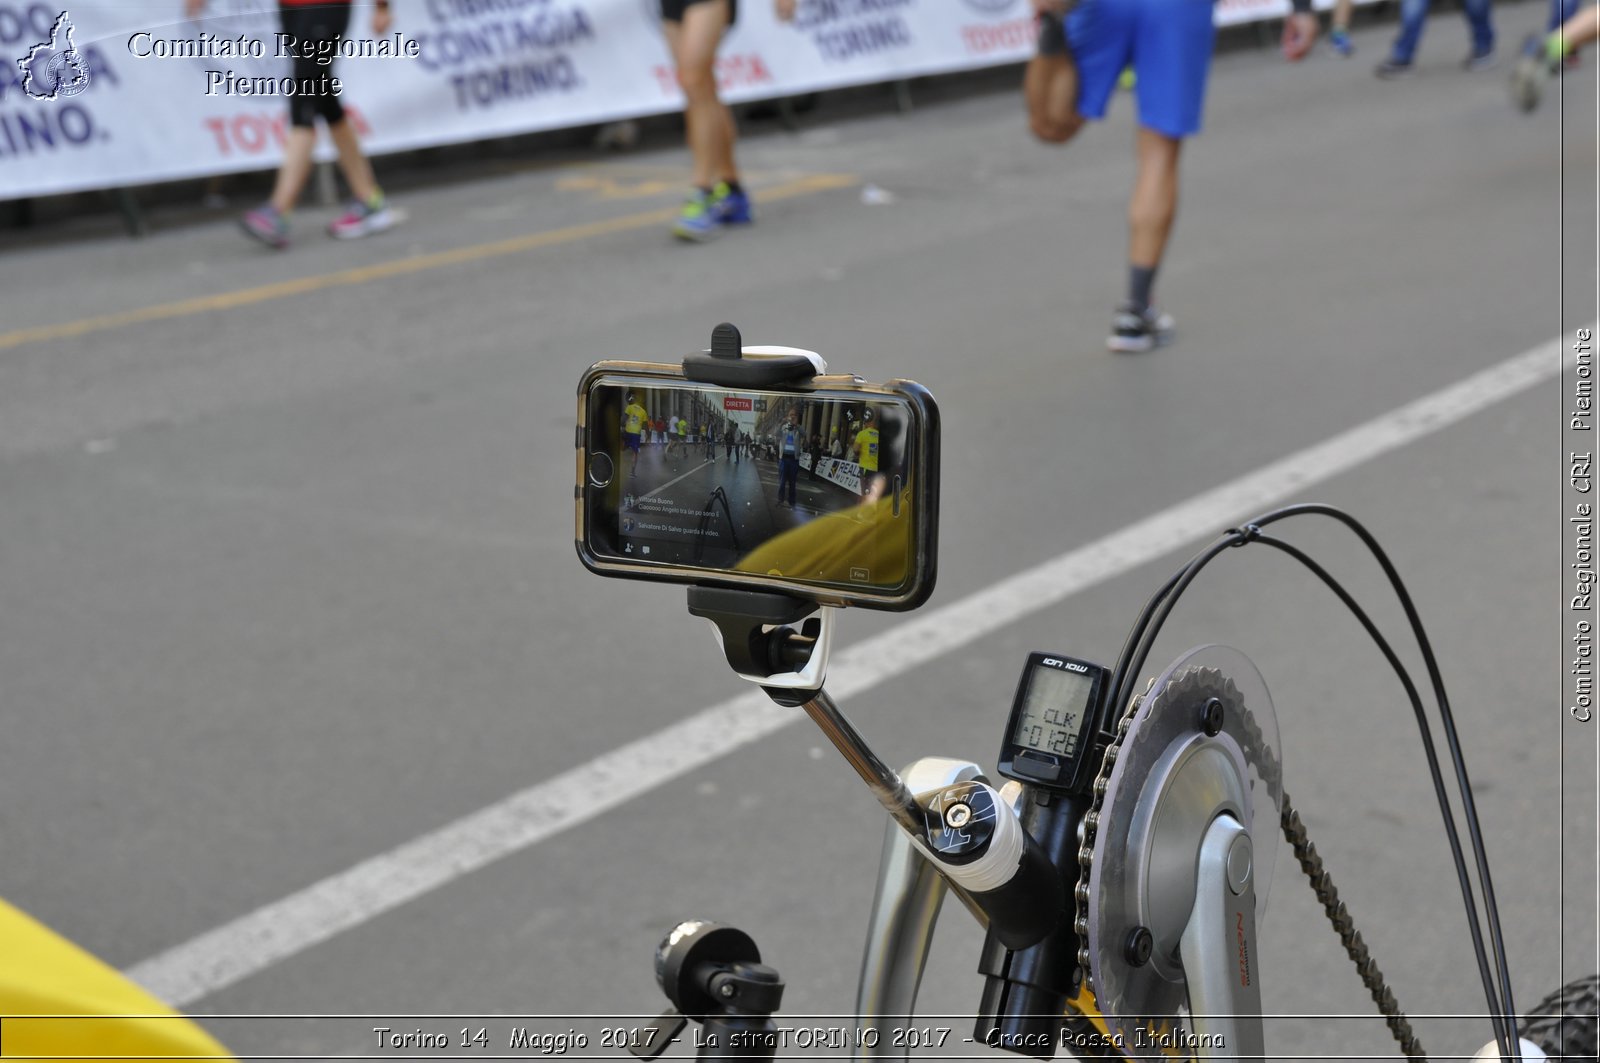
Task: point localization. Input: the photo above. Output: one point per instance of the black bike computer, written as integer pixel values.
(1053, 720)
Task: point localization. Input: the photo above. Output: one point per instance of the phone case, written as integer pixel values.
(921, 454)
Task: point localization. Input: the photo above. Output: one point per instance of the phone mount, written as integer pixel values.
(730, 364)
(758, 629)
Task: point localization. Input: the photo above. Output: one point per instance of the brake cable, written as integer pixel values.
(1131, 661)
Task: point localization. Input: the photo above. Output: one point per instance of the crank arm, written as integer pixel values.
(1219, 949)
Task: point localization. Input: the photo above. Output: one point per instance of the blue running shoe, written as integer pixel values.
(696, 222)
(1342, 45)
(730, 207)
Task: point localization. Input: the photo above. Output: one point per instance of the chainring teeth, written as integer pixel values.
(1196, 682)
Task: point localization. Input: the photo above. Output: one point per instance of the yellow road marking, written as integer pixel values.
(395, 268)
(607, 187)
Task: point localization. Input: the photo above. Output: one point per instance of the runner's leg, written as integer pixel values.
(1582, 28)
(353, 161)
(1413, 16)
(1154, 204)
(1560, 12)
(1477, 15)
(710, 125)
(295, 169)
(1050, 86)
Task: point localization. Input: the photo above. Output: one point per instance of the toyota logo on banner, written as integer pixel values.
(993, 7)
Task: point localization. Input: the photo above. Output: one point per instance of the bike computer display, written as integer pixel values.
(1052, 722)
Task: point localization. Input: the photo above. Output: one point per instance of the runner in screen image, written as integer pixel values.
(634, 420)
(789, 446)
(865, 454)
(674, 450)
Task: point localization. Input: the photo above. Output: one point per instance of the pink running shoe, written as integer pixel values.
(362, 219)
(266, 224)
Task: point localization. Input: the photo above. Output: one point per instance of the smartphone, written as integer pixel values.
(827, 491)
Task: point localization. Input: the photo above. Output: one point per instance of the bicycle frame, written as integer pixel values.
(1219, 930)
(1219, 942)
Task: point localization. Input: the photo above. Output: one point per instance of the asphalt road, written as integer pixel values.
(286, 544)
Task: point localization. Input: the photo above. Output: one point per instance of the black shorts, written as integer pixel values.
(1052, 36)
(309, 24)
(672, 10)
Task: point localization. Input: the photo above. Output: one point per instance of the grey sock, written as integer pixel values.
(1140, 280)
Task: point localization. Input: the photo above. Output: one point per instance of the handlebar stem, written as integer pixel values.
(884, 782)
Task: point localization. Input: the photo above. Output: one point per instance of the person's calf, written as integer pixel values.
(1050, 90)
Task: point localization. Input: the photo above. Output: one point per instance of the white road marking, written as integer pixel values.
(674, 480)
(236, 950)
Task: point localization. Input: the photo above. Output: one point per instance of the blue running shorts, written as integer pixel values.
(1167, 42)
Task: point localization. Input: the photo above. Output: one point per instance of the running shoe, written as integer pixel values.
(267, 224)
(362, 219)
(1393, 69)
(1479, 61)
(696, 222)
(1529, 73)
(1134, 330)
(1342, 45)
(729, 207)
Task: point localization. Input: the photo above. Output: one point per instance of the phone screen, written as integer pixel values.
(814, 488)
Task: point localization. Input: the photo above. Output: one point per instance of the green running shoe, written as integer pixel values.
(695, 221)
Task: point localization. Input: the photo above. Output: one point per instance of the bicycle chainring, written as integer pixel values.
(1162, 780)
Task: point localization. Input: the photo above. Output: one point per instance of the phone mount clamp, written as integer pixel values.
(772, 639)
(758, 629)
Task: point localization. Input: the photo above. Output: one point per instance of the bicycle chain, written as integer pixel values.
(1087, 827)
(1294, 832)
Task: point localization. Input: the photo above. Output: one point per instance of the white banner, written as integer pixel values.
(847, 474)
(111, 93)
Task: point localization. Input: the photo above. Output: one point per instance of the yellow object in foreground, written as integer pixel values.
(58, 1001)
(1084, 1004)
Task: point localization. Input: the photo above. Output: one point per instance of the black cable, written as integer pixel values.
(1469, 808)
(1117, 700)
(1137, 647)
(1501, 1036)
